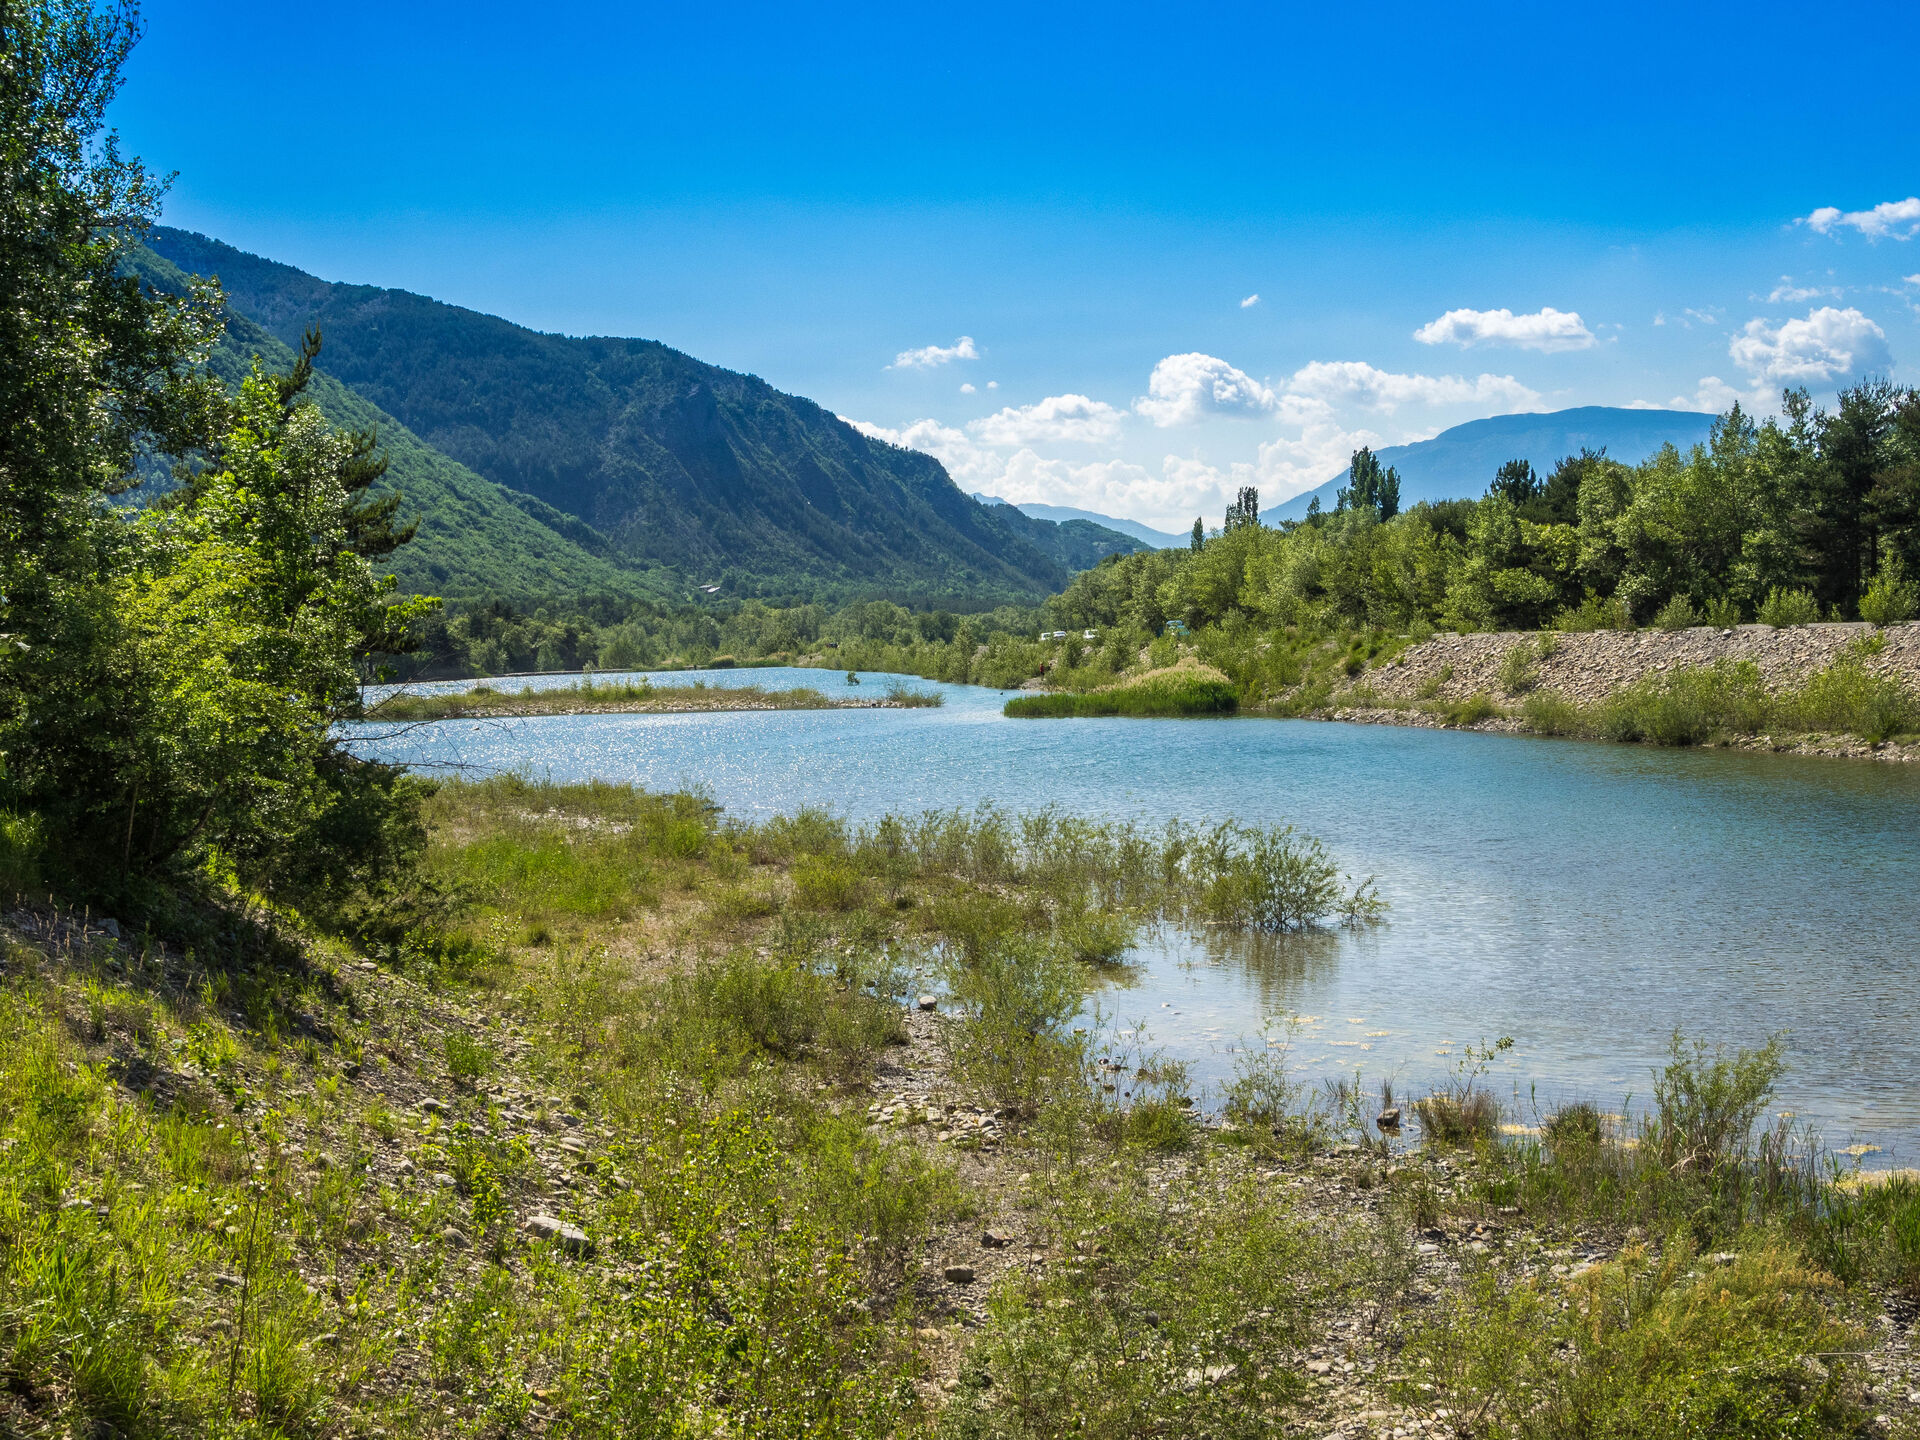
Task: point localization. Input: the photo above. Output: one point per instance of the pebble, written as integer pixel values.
(959, 1274)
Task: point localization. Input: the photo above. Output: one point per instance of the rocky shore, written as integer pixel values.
(1590, 665)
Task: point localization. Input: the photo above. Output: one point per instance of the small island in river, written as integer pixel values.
(642, 697)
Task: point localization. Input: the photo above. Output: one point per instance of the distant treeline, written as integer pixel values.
(1812, 516)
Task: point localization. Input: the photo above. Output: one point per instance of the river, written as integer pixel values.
(1583, 898)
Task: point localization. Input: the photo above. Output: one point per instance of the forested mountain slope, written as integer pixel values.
(476, 538)
(675, 462)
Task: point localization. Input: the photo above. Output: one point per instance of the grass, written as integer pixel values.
(1170, 695)
(264, 1191)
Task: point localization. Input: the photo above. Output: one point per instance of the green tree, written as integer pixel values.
(1198, 539)
(1370, 485)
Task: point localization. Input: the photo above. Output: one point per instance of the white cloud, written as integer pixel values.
(971, 466)
(1911, 279)
(1058, 417)
(967, 389)
(1183, 388)
(1828, 344)
(1354, 382)
(1786, 292)
(927, 357)
(1890, 219)
(1251, 301)
(1546, 329)
(993, 384)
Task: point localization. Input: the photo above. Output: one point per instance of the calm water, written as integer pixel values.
(1582, 898)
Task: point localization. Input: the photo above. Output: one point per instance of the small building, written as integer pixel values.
(1178, 629)
(1086, 634)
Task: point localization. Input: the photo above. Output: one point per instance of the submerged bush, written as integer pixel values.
(1264, 879)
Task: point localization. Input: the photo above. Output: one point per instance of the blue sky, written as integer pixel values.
(1027, 238)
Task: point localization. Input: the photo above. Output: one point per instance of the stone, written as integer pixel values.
(225, 1280)
(959, 1274)
(570, 1238)
(1388, 1119)
(433, 1107)
(929, 1002)
(110, 927)
(995, 1240)
(456, 1237)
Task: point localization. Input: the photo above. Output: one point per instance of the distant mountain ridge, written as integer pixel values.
(1458, 463)
(1063, 514)
(658, 463)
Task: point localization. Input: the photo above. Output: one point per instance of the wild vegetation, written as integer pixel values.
(591, 696)
(606, 1148)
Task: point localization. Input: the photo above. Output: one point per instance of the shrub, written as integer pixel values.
(19, 854)
(1457, 1119)
(1548, 712)
(1518, 672)
(1789, 607)
(827, 882)
(1725, 612)
(1687, 706)
(1677, 614)
(1164, 698)
(1592, 613)
(1847, 696)
(1018, 997)
(1096, 937)
(1706, 1102)
(1470, 711)
(1891, 597)
(467, 1058)
(1574, 1128)
(1644, 1346)
(1264, 879)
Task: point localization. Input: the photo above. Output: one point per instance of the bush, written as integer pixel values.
(1688, 706)
(1592, 613)
(1518, 672)
(1891, 597)
(1186, 695)
(1548, 712)
(1265, 879)
(467, 1058)
(1096, 937)
(1018, 997)
(827, 882)
(1784, 607)
(1677, 614)
(1706, 1102)
(1644, 1346)
(1450, 1119)
(1471, 711)
(1847, 696)
(19, 855)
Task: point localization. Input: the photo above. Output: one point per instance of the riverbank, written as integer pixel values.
(1839, 690)
(590, 698)
(656, 1132)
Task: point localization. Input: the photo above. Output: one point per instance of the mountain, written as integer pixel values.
(1459, 463)
(1149, 537)
(475, 537)
(663, 463)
